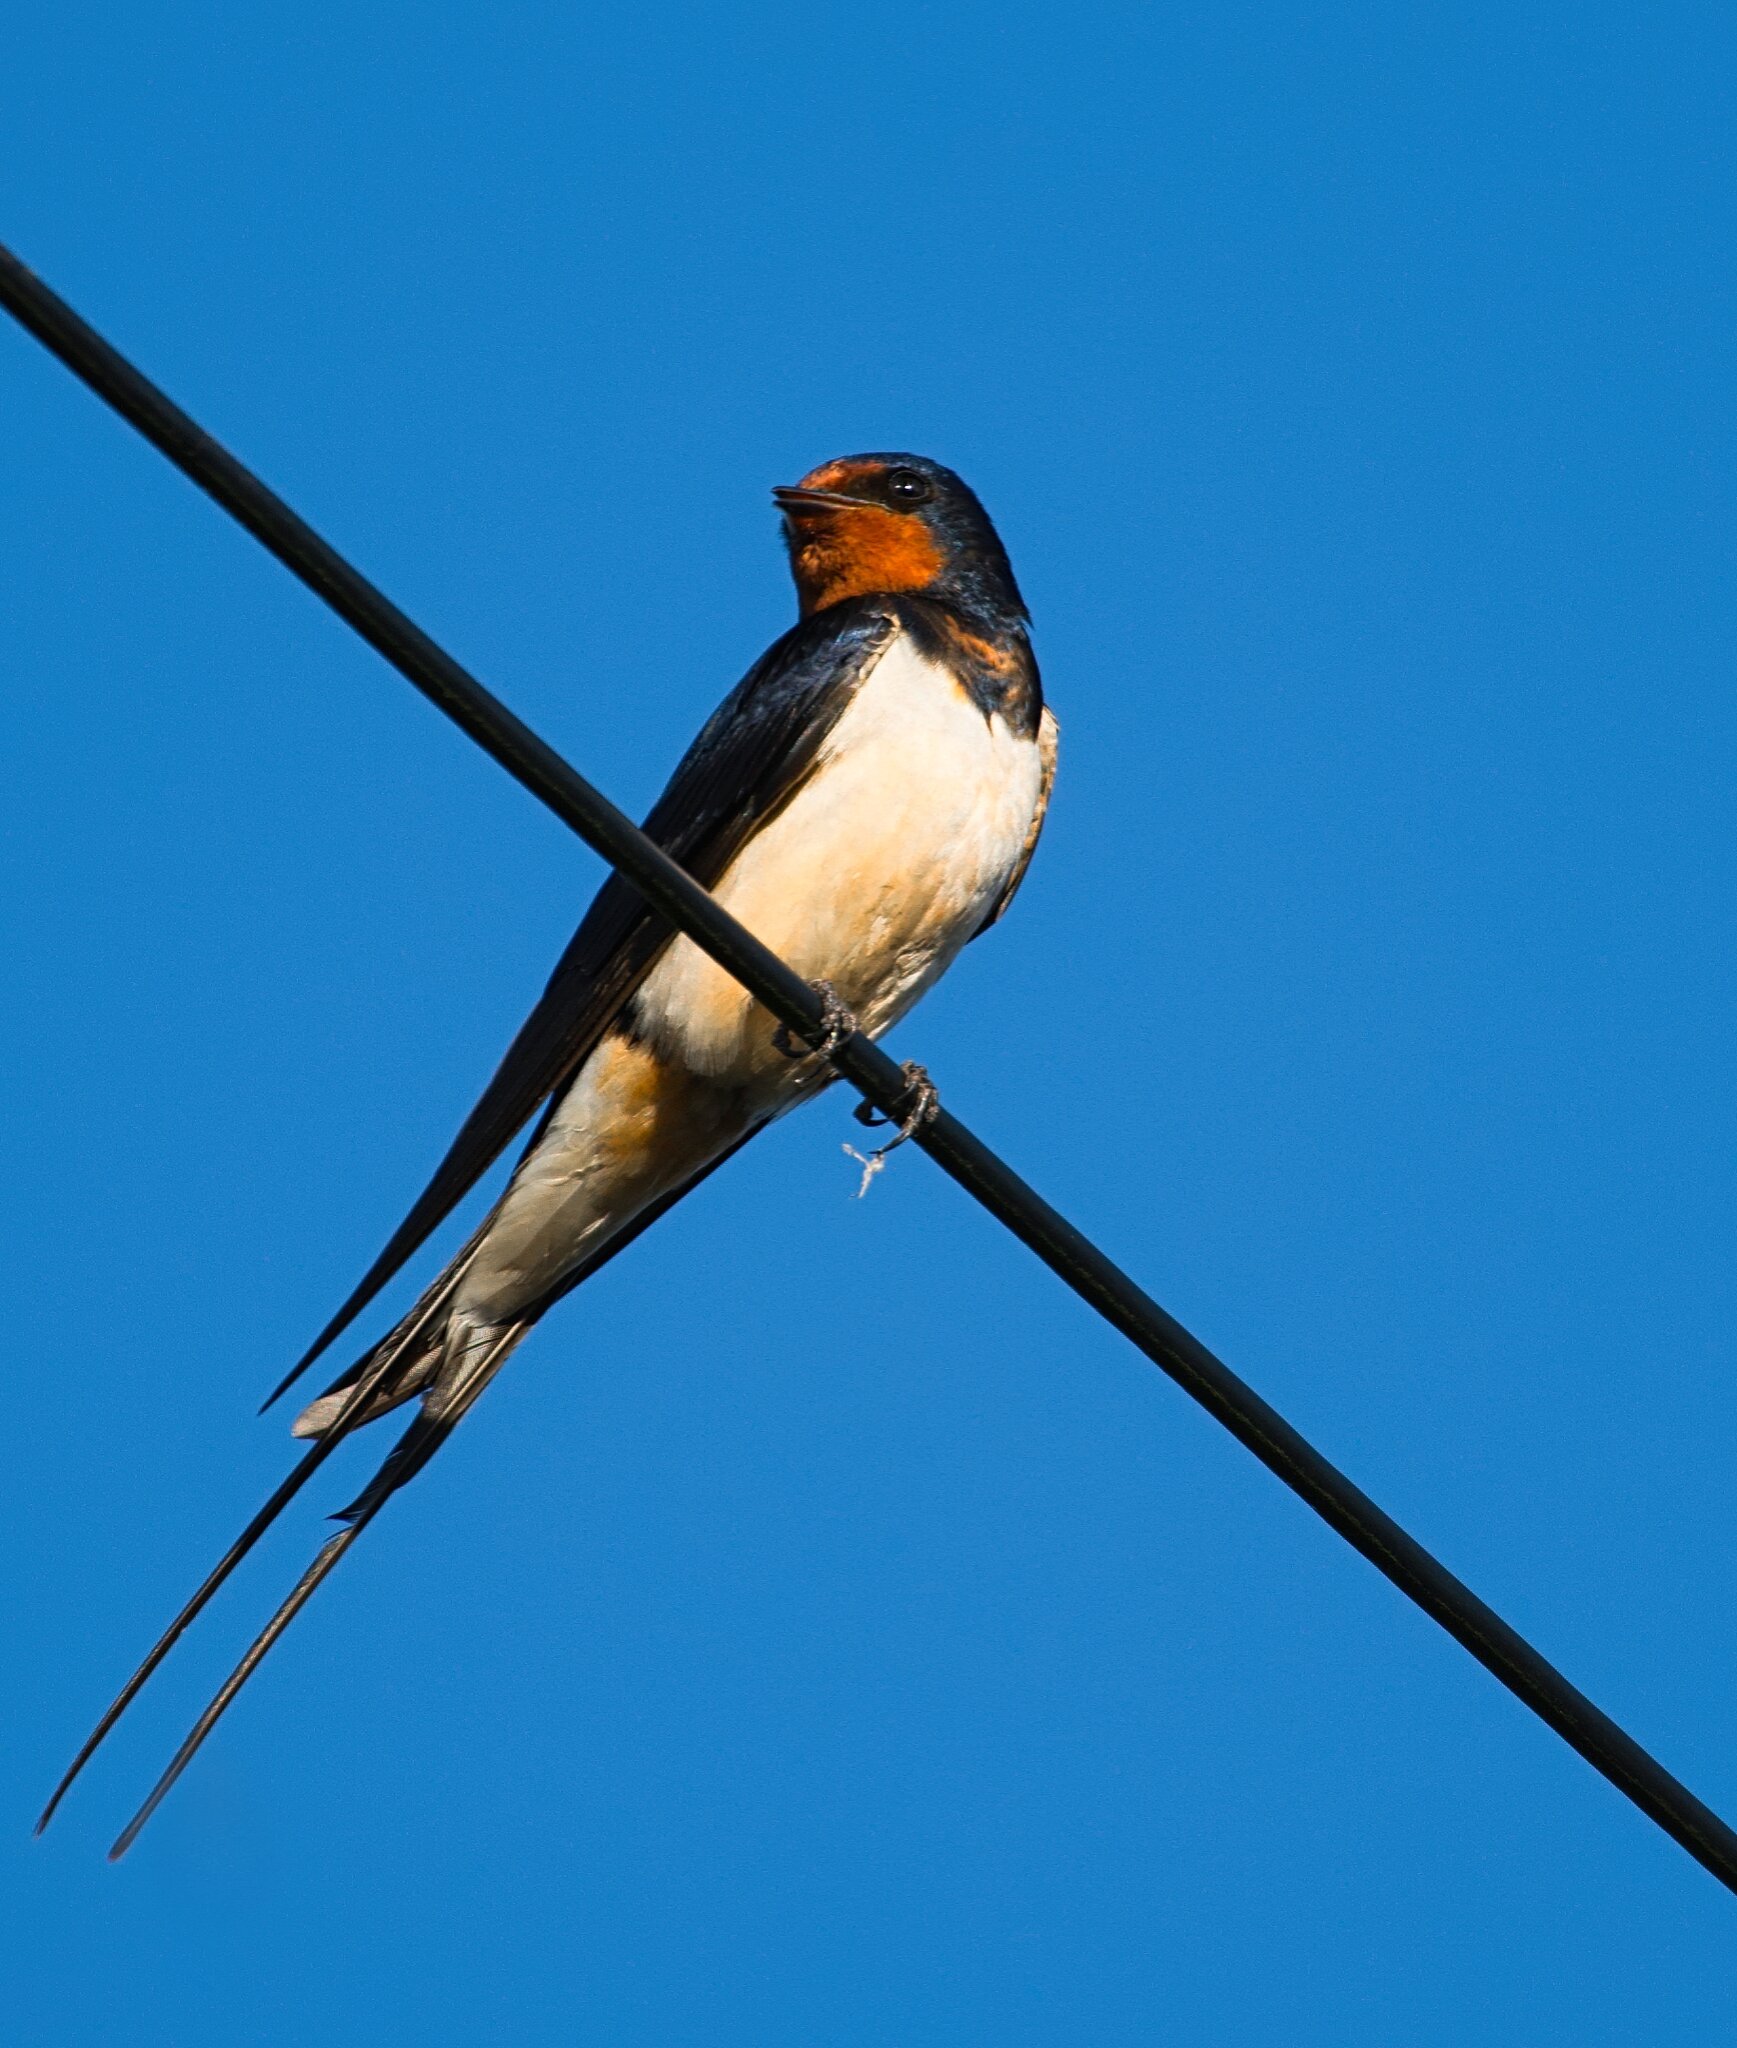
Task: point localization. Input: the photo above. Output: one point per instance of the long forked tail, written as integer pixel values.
(373, 1378)
(356, 1397)
(412, 1451)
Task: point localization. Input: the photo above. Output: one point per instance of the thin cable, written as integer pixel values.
(1095, 1278)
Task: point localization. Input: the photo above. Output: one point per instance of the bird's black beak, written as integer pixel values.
(799, 498)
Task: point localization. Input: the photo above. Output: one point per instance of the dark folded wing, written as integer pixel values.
(749, 759)
(1048, 743)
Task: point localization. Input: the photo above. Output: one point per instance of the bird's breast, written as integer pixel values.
(884, 863)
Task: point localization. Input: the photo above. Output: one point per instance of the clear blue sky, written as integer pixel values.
(827, 1632)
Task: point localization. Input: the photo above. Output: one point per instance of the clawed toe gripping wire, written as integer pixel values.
(836, 1025)
(925, 1107)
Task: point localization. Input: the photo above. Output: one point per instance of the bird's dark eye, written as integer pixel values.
(906, 487)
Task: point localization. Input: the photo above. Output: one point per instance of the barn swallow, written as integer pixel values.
(866, 801)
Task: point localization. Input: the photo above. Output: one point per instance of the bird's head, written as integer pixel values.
(873, 525)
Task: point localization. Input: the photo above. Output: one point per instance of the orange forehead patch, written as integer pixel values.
(838, 551)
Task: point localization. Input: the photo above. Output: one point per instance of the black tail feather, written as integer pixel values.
(408, 1456)
(249, 1536)
(418, 1319)
(330, 1552)
(372, 1371)
(433, 1426)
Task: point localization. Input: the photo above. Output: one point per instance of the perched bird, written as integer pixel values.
(866, 802)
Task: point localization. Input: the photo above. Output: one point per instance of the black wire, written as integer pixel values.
(1095, 1278)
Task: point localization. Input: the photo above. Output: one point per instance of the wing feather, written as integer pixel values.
(749, 759)
(1048, 748)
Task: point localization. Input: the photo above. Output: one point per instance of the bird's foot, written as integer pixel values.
(924, 1106)
(836, 1025)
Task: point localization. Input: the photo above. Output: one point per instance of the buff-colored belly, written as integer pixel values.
(885, 863)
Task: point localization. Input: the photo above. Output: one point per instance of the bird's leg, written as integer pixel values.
(925, 1106)
(836, 1025)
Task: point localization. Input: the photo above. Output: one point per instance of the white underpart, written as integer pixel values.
(874, 875)
(885, 863)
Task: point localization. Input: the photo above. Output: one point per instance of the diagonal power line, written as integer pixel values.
(1094, 1277)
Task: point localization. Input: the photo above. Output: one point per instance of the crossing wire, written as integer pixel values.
(957, 1151)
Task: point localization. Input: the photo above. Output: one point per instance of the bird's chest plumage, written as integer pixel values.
(884, 863)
